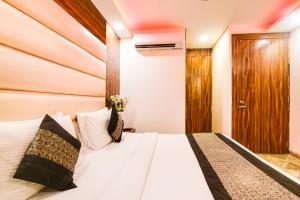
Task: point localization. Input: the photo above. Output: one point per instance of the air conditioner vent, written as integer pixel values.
(159, 41)
(162, 45)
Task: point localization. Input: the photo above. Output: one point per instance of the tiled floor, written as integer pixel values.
(287, 162)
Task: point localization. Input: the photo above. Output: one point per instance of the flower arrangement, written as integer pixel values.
(118, 102)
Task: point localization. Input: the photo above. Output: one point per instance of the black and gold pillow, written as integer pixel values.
(115, 125)
(51, 157)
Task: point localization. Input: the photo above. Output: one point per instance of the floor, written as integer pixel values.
(287, 162)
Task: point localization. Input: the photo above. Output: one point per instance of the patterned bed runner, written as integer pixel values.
(233, 173)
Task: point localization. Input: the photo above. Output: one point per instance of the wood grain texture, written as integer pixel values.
(112, 63)
(85, 12)
(198, 90)
(260, 100)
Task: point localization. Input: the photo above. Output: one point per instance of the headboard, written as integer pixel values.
(48, 62)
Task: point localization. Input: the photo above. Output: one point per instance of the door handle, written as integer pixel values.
(241, 105)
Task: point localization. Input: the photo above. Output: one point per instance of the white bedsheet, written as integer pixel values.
(147, 166)
(175, 173)
(118, 171)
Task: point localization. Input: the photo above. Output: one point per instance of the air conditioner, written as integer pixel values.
(159, 41)
(143, 46)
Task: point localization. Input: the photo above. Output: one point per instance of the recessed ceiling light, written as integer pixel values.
(203, 38)
(118, 26)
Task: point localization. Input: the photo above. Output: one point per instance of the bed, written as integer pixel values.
(159, 166)
(147, 166)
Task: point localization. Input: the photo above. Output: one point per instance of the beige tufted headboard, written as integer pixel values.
(48, 62)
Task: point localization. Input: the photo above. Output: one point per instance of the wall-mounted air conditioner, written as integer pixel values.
(159, 41)
(143, 46)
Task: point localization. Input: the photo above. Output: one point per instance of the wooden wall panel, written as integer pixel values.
(198, 90)
(85, 12)
(112, 63)
(260, 105)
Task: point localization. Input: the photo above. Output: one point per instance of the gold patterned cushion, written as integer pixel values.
(115, 126)
(51, 157)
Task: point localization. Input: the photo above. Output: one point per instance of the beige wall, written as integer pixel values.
(221, 85)
(155, 87)
(295, 91)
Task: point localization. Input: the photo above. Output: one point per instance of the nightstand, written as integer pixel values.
(130, 130)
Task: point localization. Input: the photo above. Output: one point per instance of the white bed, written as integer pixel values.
(147, 166)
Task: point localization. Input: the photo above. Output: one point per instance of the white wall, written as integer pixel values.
(221, 85)
(155, 87)
(295, 91)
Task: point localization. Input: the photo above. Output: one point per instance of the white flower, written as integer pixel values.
(118, 102)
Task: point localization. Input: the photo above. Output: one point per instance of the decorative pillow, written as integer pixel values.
(93, 128)
(115, 126)
(51, 157)
(15, 138)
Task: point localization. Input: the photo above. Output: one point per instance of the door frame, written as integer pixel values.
(253, 36)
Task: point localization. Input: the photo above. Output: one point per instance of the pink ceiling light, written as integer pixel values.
(281, 11)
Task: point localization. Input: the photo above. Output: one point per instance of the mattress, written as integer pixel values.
(146, 166)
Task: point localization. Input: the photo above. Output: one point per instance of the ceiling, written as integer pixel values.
(111, 13)
(288, 23)
(201, 17)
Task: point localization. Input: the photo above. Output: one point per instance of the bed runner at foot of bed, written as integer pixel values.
(233, 173)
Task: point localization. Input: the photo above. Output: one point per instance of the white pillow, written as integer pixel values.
(93, 128)
(67, 124)
(15, 138)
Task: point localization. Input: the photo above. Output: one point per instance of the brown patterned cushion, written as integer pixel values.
(51, 157)
(115, 126)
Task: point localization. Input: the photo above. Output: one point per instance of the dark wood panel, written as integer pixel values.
(275, 89)
(112, 63)
(85, 12)
(260, 100)
(198, 90)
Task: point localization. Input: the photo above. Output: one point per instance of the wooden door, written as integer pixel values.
(260, 104)
(198, 90)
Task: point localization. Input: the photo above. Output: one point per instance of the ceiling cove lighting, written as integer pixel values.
(288, 23)
(203, 38)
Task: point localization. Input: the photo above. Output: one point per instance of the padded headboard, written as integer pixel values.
(48, 62)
